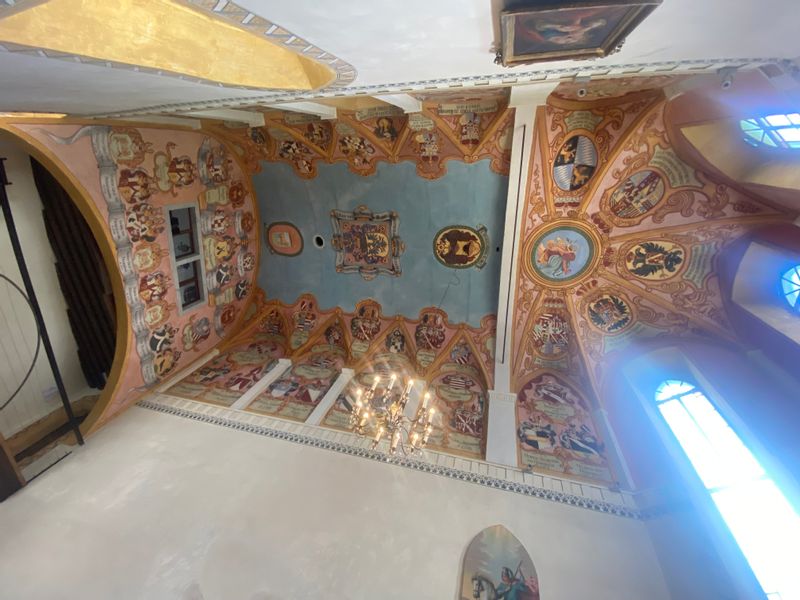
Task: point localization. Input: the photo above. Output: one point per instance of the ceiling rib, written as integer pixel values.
(309, 108)
(408, 103)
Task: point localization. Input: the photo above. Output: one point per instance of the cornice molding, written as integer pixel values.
(563, 491)
(502, 79)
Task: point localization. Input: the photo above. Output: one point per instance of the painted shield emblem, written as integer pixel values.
(575, 163)
(640, 193)
(610, 313)
(459, 246)
(655, 260)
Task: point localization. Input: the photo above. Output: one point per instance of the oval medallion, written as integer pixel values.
(284, 238)
(655, 260)
(459, 246)
(575, 163)
(639, 194)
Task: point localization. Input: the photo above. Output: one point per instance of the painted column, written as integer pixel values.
(501, 445)
(613, 451)
(316, 416)
(501, 438)
(262, 384)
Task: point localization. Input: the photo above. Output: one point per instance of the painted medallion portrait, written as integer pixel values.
(575, 163)
(562, 254)
(639, 194)
(655, 260)
(284, 238)
(459, 247)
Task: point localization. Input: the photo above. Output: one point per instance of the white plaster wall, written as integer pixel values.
(17, 325)
(160, 507)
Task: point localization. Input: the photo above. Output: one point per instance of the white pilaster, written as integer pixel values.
(414, 398)
(517, 189)
(501, 436)
(614, 452)
(315, 418)
(262, 384)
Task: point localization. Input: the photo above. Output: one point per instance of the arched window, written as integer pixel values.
(763, 522)
(777, 131)
(791, 287)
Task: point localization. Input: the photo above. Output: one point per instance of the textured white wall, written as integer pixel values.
(17, 326)
(156, 506)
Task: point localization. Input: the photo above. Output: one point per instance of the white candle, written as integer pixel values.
(375, 382)
(395, 440)
(425, 399)
(409, 386)
(392, 379)
(379, 435)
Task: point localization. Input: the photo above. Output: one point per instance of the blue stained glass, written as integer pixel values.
(791, 286)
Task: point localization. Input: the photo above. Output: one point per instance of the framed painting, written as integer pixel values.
(545, 31)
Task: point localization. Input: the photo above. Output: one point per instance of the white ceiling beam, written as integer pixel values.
(532, 93)
(308, 108)
(174, 121)
(252, 118)
(408, 103)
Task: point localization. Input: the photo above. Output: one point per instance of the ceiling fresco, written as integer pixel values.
(454, 362)
(405, 209)
(619, 244)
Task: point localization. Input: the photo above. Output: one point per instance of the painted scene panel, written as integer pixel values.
(556, 432)
(228, 376)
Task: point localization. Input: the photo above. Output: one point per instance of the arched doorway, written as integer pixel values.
(71, 276)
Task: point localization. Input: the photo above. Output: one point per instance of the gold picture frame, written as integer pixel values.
(571, 31)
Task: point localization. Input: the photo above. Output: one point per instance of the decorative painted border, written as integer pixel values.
(230, 12)
(499, 79)
(479, 473)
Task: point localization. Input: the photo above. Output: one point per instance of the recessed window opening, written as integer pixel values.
(775, 131)
(763, 522)
(790, 282)
(187, 257)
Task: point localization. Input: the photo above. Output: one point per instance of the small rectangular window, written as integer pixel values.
(187, 256)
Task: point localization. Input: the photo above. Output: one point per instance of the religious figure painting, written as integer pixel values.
(367, 243)
(497, 566)
(577, 30)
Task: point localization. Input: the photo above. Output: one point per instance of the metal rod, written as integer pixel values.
(37, 312)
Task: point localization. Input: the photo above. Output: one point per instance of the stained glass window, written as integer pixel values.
(791, 287)
(777, 131)
(763, 522)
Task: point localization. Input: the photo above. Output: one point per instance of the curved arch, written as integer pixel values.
(82, 199)
(496, 560)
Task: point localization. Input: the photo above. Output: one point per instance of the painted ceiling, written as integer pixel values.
(373, 43)
(619, 246)
(431, 186)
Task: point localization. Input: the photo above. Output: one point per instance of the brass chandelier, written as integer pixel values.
(382, 415)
